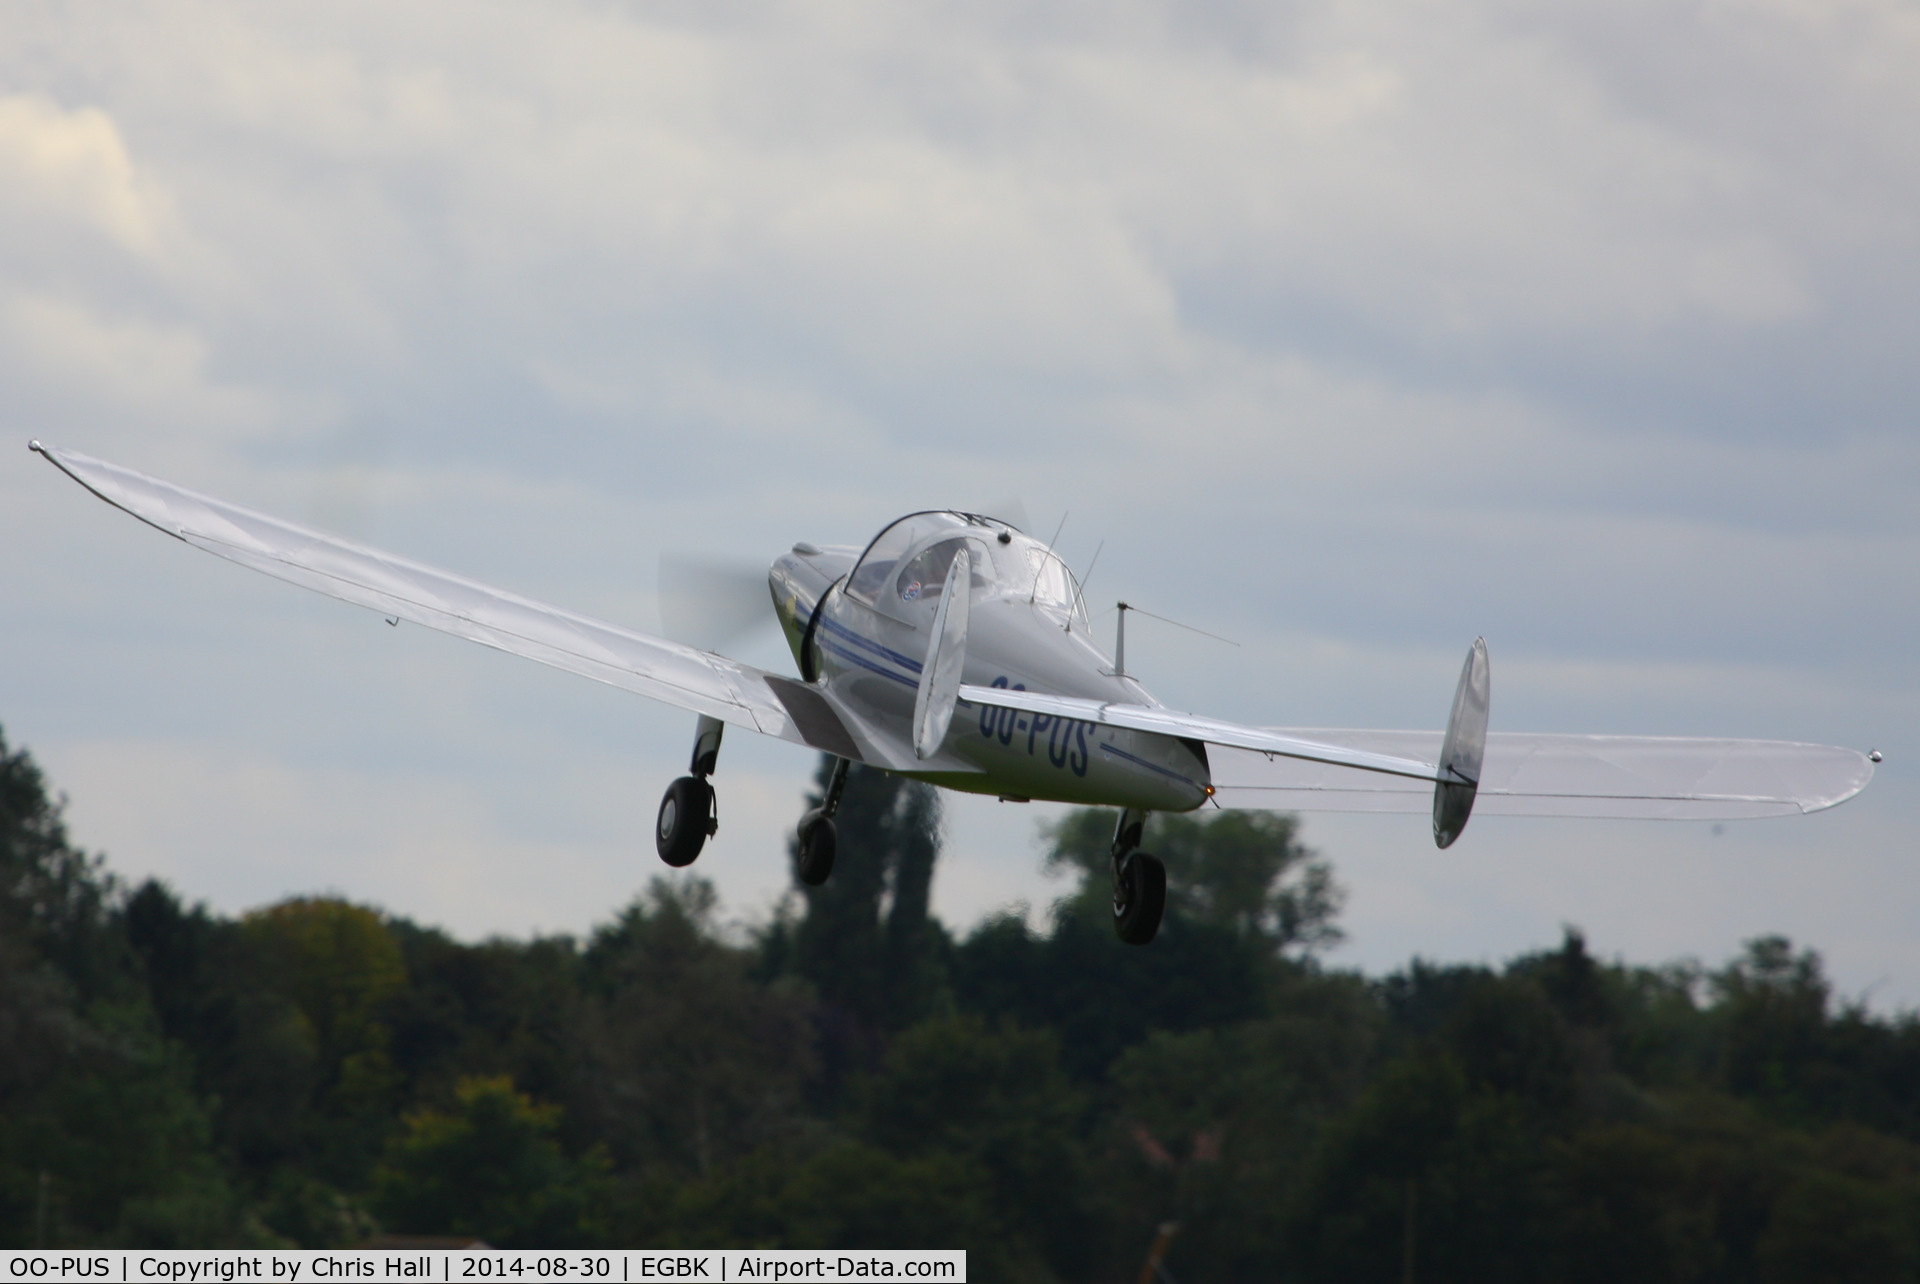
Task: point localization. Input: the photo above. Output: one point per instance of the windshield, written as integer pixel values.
(1051, 586)
(1026, 568)
(924, 576)
(908, 561)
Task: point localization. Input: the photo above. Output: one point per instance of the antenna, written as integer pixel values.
(1081, 587)
(1120, 635)
(1035, 595)
(1176, 624)
(1089, 575)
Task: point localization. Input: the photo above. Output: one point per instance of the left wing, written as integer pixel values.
(700, 681)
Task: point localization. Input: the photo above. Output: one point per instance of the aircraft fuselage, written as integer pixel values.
(859, 621)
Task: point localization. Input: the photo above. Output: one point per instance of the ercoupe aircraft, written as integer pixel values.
(955, 649)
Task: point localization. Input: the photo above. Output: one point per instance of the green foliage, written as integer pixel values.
(336, 963)
(1830, 1226)
(497, 1007)
(54, 898)
(997, 1100)
(682, 1061)
(1242, 871)
(850, 1076)
(845, 1195)
(102, 1138)
(866, 942)
(489, 1167)
(1214, 1128)
(1104, 996)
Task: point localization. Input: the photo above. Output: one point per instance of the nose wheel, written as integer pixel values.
(688, 814)
(1139, 883)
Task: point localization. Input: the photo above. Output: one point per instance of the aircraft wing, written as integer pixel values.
(684, 676)
(1649, 777)
(1187, 726)
(1643, 777)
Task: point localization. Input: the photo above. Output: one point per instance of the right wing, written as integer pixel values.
(700, 681)
(1188, 726)
(1321, 769)
(1645, 777)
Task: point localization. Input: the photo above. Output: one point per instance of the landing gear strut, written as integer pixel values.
(1139, 882)
(818, 840)
(688, 816)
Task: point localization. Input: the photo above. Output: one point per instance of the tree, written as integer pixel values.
(102, 1138)
(844, 1195)
(997, 1099)
(683, 1061)
(1241, 890)
(325, 969)
(54, 898)
(1772, 1004)
(866, 940)
(489, 1167)
(1244, 871)
(1103, 996)
(1215, 1126)
(491, 1007)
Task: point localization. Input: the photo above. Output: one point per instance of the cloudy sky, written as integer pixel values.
(1349, 331)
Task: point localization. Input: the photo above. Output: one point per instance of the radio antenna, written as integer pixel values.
(1035, 595)
(1120, 635)
(1089, 575)
(1176, 624)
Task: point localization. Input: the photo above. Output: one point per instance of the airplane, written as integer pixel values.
(955, 649)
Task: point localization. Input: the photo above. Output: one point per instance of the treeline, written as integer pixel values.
(852, 1074)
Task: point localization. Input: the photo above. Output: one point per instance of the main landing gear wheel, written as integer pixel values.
(1139, 898)
(686, 821)
(818, 842)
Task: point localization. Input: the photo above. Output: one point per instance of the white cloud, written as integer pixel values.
(73, 165)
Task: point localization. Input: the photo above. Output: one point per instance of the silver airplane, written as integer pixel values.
(955, 649)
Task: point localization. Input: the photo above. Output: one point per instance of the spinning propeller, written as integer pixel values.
(708, 602)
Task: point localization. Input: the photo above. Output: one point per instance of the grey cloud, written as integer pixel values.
(1353, 332)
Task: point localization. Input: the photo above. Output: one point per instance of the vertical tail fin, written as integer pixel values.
(1462, 752)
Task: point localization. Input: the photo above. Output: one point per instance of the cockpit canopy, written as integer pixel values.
(904, 570)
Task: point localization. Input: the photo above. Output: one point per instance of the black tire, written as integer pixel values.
(1140, 899)
(818, 842)
(686, 818)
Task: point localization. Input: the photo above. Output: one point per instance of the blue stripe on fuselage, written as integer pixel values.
(861, 661)
(868, 644)
(1150, 766)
